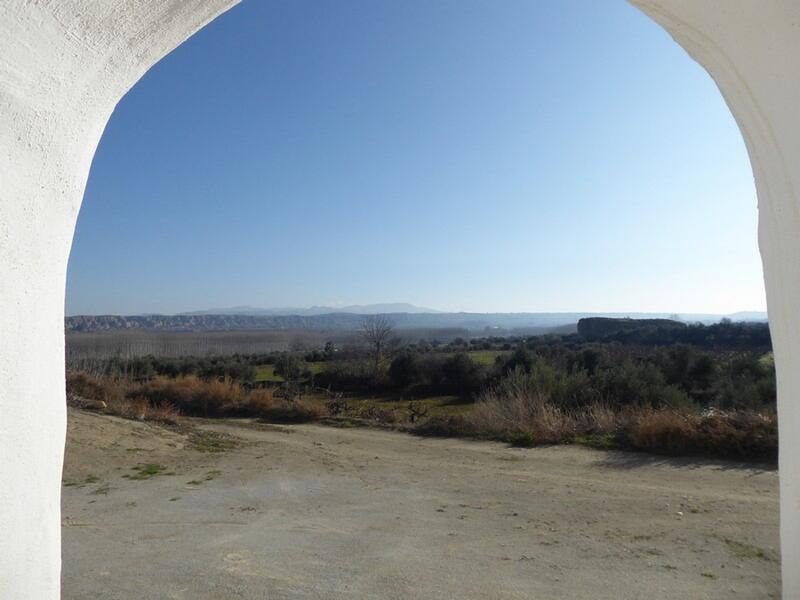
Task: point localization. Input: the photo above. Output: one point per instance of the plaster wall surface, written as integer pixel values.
(752, 51)
(64, 65)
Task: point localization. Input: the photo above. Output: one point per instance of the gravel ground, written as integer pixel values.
(318, 512)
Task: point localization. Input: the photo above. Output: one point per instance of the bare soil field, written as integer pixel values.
(245, 510)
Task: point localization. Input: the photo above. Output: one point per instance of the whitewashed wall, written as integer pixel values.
(64, 65)
(752, 50)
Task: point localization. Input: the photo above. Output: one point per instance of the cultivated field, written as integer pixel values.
(237, 509)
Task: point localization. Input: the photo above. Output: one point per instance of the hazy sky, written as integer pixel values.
(457, 154)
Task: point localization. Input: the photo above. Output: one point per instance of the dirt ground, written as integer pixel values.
(318, 512)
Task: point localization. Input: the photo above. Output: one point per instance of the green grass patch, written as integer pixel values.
(435, 405)
(745, 550)
(316, 367)
(212, 475)
(79, 484)
(604, 442)
(708, 574)
(523, 440)
(486, 357)
(145, 471)
(212, 441)
(102, 490)
(266, 373)
(342, 422)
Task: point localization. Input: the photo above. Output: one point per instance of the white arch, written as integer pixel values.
(64, 65)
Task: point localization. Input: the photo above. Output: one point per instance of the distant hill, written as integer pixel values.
(476, 323)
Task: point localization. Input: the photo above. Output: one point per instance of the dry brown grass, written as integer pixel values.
(194, 396)
(714, 433)
(521, 414)
(89, 387)
(516, 413)
(664, 431)
(597, 419)
(117, 397)
(260, 401)
(164, 399)
(139, 408)
(163, 413)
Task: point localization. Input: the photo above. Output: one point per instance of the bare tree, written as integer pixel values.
(377, 330)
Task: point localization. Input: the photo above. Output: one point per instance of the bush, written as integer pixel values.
(462, 374)
(293, 412)
(290, 367)
(521, 358)
(644, 390)
(352, 376)
(521, 409)
(406, 370)
(560, 388)
(639, 384)
(258, 402)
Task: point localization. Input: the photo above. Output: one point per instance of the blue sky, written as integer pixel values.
(456, 154)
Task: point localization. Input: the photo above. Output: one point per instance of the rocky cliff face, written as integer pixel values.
(211, 322)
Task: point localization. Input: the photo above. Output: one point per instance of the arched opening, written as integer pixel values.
(762, 142)
(328, 169)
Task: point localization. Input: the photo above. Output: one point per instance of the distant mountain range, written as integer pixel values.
(357, 309)
(248, 318)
